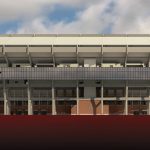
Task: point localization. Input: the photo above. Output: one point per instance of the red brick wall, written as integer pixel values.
(66, 109)
(116, 109)
(48, 108)
(132, 109)
(14, 109)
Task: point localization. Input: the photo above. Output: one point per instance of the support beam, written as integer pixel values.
(77, 94)
(30, 106)
(54, 60)
(29, 56)
(53, 100)
(126, 57)
(77, 55)
(5, 56)
(101, 55)
(126, 99)
(148, 62)
(6, 101)
(102, 101)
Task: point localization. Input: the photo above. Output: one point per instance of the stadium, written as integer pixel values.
(74, 74)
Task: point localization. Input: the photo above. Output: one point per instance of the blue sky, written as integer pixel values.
(74, 16)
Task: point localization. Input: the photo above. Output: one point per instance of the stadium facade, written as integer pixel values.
(74, 74)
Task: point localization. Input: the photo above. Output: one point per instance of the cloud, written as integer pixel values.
(132, 16)
(91, 19)
(23, 9)
(19, 9)
(91, 16)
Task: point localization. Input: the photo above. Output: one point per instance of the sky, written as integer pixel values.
(74, 16)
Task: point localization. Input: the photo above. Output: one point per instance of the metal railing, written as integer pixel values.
(94, 73)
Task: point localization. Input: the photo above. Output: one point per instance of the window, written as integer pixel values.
(43, 112)
(81, 91)
(1, 102)
(143, 102)
(60, 102)
(119, 92)
(98, 91)
(35, 102)
(69, 93)
(138, 92)
(60, 93)
(114, 92)
(16, 82)
(17, 92)
(43, 102)
(66, 92)
(41, 93)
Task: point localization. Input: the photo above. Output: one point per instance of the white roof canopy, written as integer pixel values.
(75, 39)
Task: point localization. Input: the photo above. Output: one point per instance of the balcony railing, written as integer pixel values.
(46, 73)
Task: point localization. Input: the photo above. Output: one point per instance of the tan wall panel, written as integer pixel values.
(64, 49)
(40, 49)
(15, 49)
(74, 110)
(139, 49)
(89, 49)
(89, 107)
(105, 109)
(114, 49)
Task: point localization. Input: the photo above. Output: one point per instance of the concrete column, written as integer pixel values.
(53, 100)
(54, 62)
(101, 55)
(77, 95)
(77, 57)
(6, 101)
(5, 56)
(29, 56)
(30, 107)
(126, 57)
(126, 99)
(102, 95)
